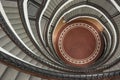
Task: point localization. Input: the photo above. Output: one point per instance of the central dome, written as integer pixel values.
(78, 43)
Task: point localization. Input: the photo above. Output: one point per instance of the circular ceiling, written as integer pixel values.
(78, 43)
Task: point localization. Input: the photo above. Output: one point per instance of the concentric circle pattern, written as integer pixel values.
(79, 43)
(59, 39)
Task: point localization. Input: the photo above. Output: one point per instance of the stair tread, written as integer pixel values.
(8, 73)
(2, 69)
(22, 76)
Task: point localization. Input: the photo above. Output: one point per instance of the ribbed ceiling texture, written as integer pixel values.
(59, 39)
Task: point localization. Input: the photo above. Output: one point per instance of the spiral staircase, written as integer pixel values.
(59, 40)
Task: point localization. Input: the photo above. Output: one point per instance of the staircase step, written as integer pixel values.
(2, 69)
(11, 9)
(22, 76)
(10, 74)
(34, 78)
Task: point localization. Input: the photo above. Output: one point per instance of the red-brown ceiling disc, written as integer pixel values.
(75, 40)
(79, 43)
